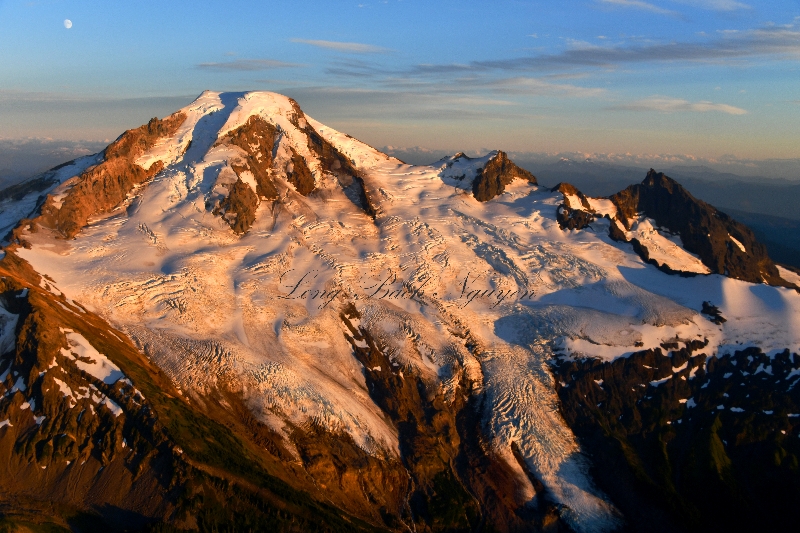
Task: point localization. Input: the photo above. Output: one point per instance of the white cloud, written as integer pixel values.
(638, 4)
(247, 65)
(353, 48)
(539, 87)
(715, 5)
(665, 104)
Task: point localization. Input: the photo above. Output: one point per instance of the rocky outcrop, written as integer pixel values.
(571, 216)
(500, 171)
(722, 244)
(106, 185)
(713, 312)
(684, 442)
(299, 175)
(239, 208)
(256, 138)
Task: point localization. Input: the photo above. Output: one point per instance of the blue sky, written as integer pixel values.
(703, 77)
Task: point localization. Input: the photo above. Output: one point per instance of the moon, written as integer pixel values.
(67, 23)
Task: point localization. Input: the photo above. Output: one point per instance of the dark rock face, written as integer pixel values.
(363, 197)
(704, 231)
(493, 178)
(570, 217)
(573, 218)
(104, 186)
(257, 138)
(339, 165)
(239, 207)
(682, 442)
(713, 312)
(429, 440)
(299, 175)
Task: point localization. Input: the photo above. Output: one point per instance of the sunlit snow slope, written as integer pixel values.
(441, 280)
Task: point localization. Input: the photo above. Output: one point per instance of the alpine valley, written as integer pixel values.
(238, 319)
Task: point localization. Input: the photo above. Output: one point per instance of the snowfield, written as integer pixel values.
(263, 308)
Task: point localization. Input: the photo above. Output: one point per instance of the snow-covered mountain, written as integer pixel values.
(388, 340)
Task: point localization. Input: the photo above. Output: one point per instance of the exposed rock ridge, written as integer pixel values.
(427, 431)
(299, 175)
(336, 163)
(499, 172)
(257, 138)
(704, 230)
(106, 185)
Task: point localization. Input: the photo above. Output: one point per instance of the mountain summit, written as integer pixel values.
(240, 317)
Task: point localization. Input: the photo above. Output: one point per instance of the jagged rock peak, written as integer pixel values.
(498, 172)
(566, 188)
(487, 176)
(722, 244)
(575, 212)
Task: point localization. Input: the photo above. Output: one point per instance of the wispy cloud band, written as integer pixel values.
(352, 48)
(712, 5)
(664, 104)
(715, 5)
(247, 65)
(780, 42)
(639, 4)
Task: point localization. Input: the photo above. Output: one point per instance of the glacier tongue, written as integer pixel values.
(262, 308)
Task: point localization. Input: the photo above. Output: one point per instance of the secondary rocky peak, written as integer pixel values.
(575, 212)
(722, 244)
(498, 172)
(487, 176)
